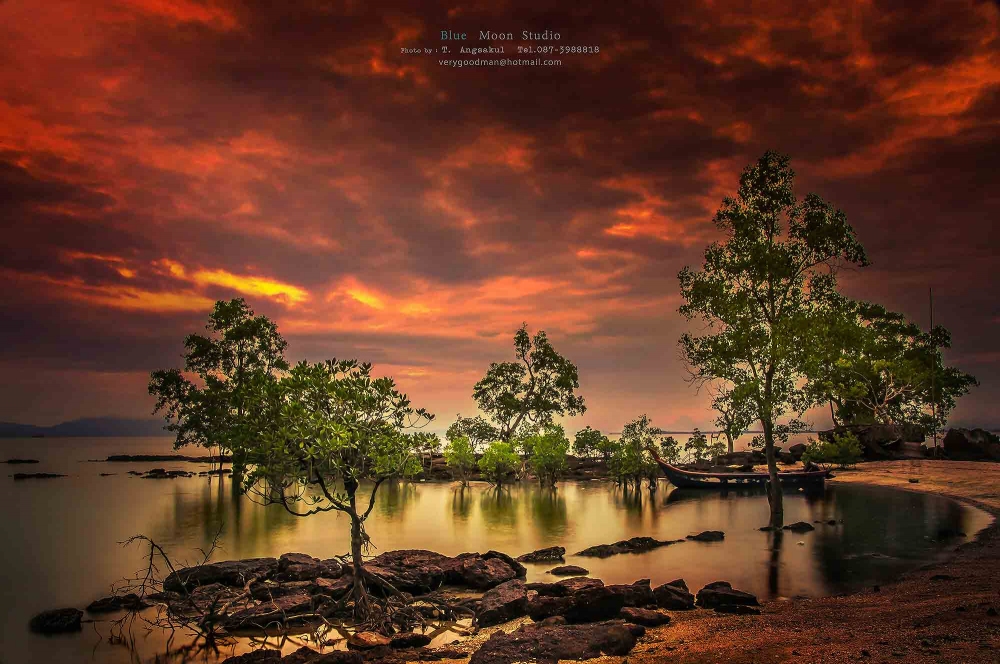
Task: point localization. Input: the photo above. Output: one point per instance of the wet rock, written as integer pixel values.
(56, 621)
(520, 570)
(366, 641)
(271, 589)
(409, 640)
(633, 545)
(799, 527)
(505, 602)
(551, 554)
(638, 594)
(334, 587)
(551, 643)
(644, 617)
(674, 596)
(280, 610)
(481, 573)
(722, 594)
(301, 567)
(413, 570)
(971, 445)
(565, 587)
(36, 476)
(256, 657)
(583, 604)
(131, 601)
(568, 570)
(233, 573)
(797, 450)
(306, 655)
(162, 474)
(18, 461)
(708, 536)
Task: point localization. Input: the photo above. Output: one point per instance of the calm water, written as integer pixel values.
(61, 535)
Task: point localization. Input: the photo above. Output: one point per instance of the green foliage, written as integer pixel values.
(530, 391)
(878, 367)
(736, 413)
(591, 442)
(240, 352)
(479, 432)
(843, 451)
(630, 461)
(670, 449)
(700, 449)
(498, 462)
(461, 457)
(760, 292)
(548, 454)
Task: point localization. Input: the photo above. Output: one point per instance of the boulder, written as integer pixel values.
(409, 640)
(552, 643)
(633, 545)
(708, 536)
(638, 594)
(644, 617)
(131, 601)
(306, 655)
(591, 603)
(56, 621)
(721, 593)
(414, 570)
(334, 587)
(233, 573)
(674, 596)
(280, 610)
(799, 527)
(266, 590)
(551, 554)
(520, 570)
(301, 567)
(565, 587)
(263, 656)
(481, 573)
(367, 641)
(797, 450)
(971, 445)
(568, 570)
(505, 602)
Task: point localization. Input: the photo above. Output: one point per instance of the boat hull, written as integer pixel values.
(690, 479)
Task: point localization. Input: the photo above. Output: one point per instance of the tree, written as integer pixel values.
(531, 391)
(460, 457)
(700, 449)
(240, 351)
(321, 432)
(590, 442)
(426, 446)
(878, 367)
(499, 462)
(479, 432)
(548, 454)
(670, 449)
(631, 461)
(736, 414)
(759, 291)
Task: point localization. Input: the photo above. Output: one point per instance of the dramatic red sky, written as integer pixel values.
(156, 155)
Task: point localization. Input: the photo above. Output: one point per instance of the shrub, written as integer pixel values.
(548, 454)
(589, 442)
(460, 457)
(843, 451)
(498, 462)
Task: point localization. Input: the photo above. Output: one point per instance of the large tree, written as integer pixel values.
(325, 438)
(478, 431)
(521, 396)
(759, 290)
(218, 386)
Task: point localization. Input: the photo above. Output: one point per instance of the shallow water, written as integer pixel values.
(62, 535)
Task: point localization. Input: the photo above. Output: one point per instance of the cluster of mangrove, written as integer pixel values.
(776, 338)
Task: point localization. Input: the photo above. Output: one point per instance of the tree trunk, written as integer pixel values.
(357, 559)
(774, 498)
(729, 439)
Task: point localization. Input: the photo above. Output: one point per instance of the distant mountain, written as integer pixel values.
(95, 427)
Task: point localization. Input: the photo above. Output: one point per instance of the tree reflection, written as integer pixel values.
(548, 507)
(498, 507)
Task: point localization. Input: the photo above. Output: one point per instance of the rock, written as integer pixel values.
(552, 643)
(270, 589)
(233, 573)
(131, 601)
(306, 655)
(255, 657)
(162, 474)
(581, 604)
(878, 441)
(797, 450)
(334, 587)
(409, 640)
(633, 545)
(36, 476)
(638, 594)
(674, 596)
(481, 573)
(56, 621)
(300, 567)
(721, 593)
(708, 536)
(505, 602)
(280, 610)
(548, 555)
(366, 641)
(799, 527)
(568, 570)
(971, 445)
(17, 461)
(644, 617)
(565, 587)
(414, 570)
(520, 570)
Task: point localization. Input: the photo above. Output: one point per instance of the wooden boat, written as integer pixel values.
(693, 479)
